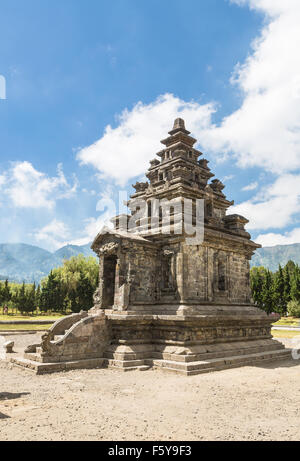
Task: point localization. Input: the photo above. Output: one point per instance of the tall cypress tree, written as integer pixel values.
(268, 297)
(6, 292)
(37, 297)
(52, 294)
(30, 299)
(287, 284)
(85, 291)
(295, 284)
(21, 299)
(256, 280)
(280, 304)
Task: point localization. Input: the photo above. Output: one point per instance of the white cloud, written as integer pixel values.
(123, 152)
(92, 226)
(53, 234)
(265, 131)
(274, 206)
(28, 188)
(272, 239)
(252, 186)
(228, 178)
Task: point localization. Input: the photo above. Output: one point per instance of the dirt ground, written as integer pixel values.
(249, 403)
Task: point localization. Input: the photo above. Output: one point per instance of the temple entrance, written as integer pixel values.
(109, 275)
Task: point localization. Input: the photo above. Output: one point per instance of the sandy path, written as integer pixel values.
(261, 403)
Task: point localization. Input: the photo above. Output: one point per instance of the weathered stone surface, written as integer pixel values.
(164, 300)
(8, 346)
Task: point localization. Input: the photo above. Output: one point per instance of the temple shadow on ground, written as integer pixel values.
(11, 395)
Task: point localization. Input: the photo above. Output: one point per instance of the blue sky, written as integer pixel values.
(73, 68)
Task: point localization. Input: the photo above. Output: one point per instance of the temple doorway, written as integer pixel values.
(109, 275)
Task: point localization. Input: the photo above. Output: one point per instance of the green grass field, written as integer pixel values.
(33, 327)
(288, 321)
(16, 317)
(285, 333)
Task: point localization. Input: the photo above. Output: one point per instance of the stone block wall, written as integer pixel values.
(239, 279)
(195, 273)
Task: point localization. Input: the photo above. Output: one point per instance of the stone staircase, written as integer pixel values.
(84, 341)
(206, 366)
(239, 354)
(68, 344)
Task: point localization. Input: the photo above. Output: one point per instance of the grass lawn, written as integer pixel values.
(285, 333)
(16, 317)
(33, 327)
(288, 321)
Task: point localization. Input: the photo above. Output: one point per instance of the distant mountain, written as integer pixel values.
(68, 251)
(271, 257)
(19, 261)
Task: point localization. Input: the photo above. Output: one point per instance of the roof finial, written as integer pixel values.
(179, 127)
(179, 124)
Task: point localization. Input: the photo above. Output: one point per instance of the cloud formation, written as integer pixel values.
(122, 153)
(265, 131)
(28, 188)
(53, 234)
(252, 186)
(272, 239)
(274, 206)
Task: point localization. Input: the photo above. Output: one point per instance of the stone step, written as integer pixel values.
(123, 363)
(138, 368)
(190, 368)
(127, 355)
(145, 355)
(43, 368)
(215, 355)
(127, 365)
(187, 368)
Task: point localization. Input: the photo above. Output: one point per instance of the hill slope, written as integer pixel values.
(30, 263)
(271, 257)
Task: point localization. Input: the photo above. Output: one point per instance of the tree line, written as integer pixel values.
(68, 288)
(277, 291)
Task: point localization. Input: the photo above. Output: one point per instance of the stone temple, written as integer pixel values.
(166, 300)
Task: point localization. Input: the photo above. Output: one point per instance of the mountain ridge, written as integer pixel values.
(29, 263)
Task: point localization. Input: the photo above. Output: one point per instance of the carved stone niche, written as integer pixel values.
(217, 186)
(180, 153)
(168, 273)
(220, 279)
(140, 186)
(203, 163)
(154, 163)
(108, 248)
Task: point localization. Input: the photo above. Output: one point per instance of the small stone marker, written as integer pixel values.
(9, 347)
